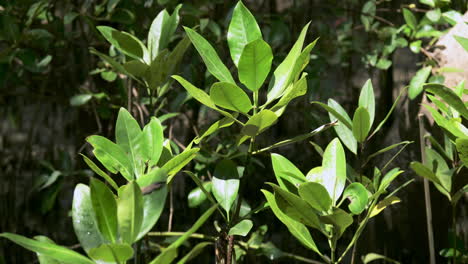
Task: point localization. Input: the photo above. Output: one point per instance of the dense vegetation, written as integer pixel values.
(233, 132)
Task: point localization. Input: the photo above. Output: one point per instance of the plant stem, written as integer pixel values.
(427, 195)
(332, 249)
(255, 98)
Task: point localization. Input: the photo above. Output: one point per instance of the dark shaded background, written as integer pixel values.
(40, 132)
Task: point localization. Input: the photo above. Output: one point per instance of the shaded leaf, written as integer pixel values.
(315, 195)
(449, 96)
(259, 123)
(361, 124)
(178, 162)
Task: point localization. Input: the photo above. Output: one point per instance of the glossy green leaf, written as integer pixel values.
(222, 123)
(154, 138)
(230, 96)
(296, 208)
(367, 100)
(462, 41)
(361, 124)
(417, 82)
(59, 253)
(127, 135)
(295, 90)
(195, 92)
(174, 165)
(242, 228)
(415, 46)
(153, 205)
(213, 63)
(84, 219)
(225, 184)
(424, 171)
(259, 123)
(105, 209)
(462, 149)
(43, 259)
(285, 170)
(130, 212)
(315, 195)
(298, 230)
(383, 204)
(343, 132)
(80, 99)
(283, 75)
(302, 61)
(410, 19)
(370, 257)
(125, 42)
(117, 253)
(100, 172)
(195, 251)
(170, 252)
(334, 169)
(449, 96)
(161, 30)
(434, 15)
(389, 177)
(357, 195)
(112, 156)
(439, 167)
(340, 221)
(255, 64)
(243, 29)
(197, 196)
(336, 113)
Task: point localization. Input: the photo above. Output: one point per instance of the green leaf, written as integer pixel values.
(449, 96)
(285, 170)
(213, 63)
(175, 164)
(424, 171)
(381, 151)
(52, 250)
(225, 184)
(389, 177)
(112, 156)
(136, 68)
(172, 249)
(368, 14)
(373, 256)
(452, 17)
(459, 194)
(222, 123)
(80, 99)
(388, 113)
(434, 15)
(297, 89)
(334, 169)
(259, 123)
(367, 100)
(243, 29)
(283, 75)
(195, 251)
(336, 113)
(117, 66)
(125, 42)
(383, 204)
(298, 230)
(430, 3)
(130, 212)
(361, 124)
(105, 209)
(195, 92)
(439, 167)
(410, 19)
(343, 132)
(127, 135)
(42, 258)
(255, 64)
(118, 253)
(84, 219)
(357, 195)
(230, 96)
(153, 205)
(242, 228)
(462, 41)
(462, 149)
(197, 196)
(315, 195)
(153, 135)
(296, 208)
(161, 30)
(340, 221)
(417, 82)
(415, 46)
(100, 172)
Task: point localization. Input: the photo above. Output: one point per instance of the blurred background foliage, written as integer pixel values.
(55, 92)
